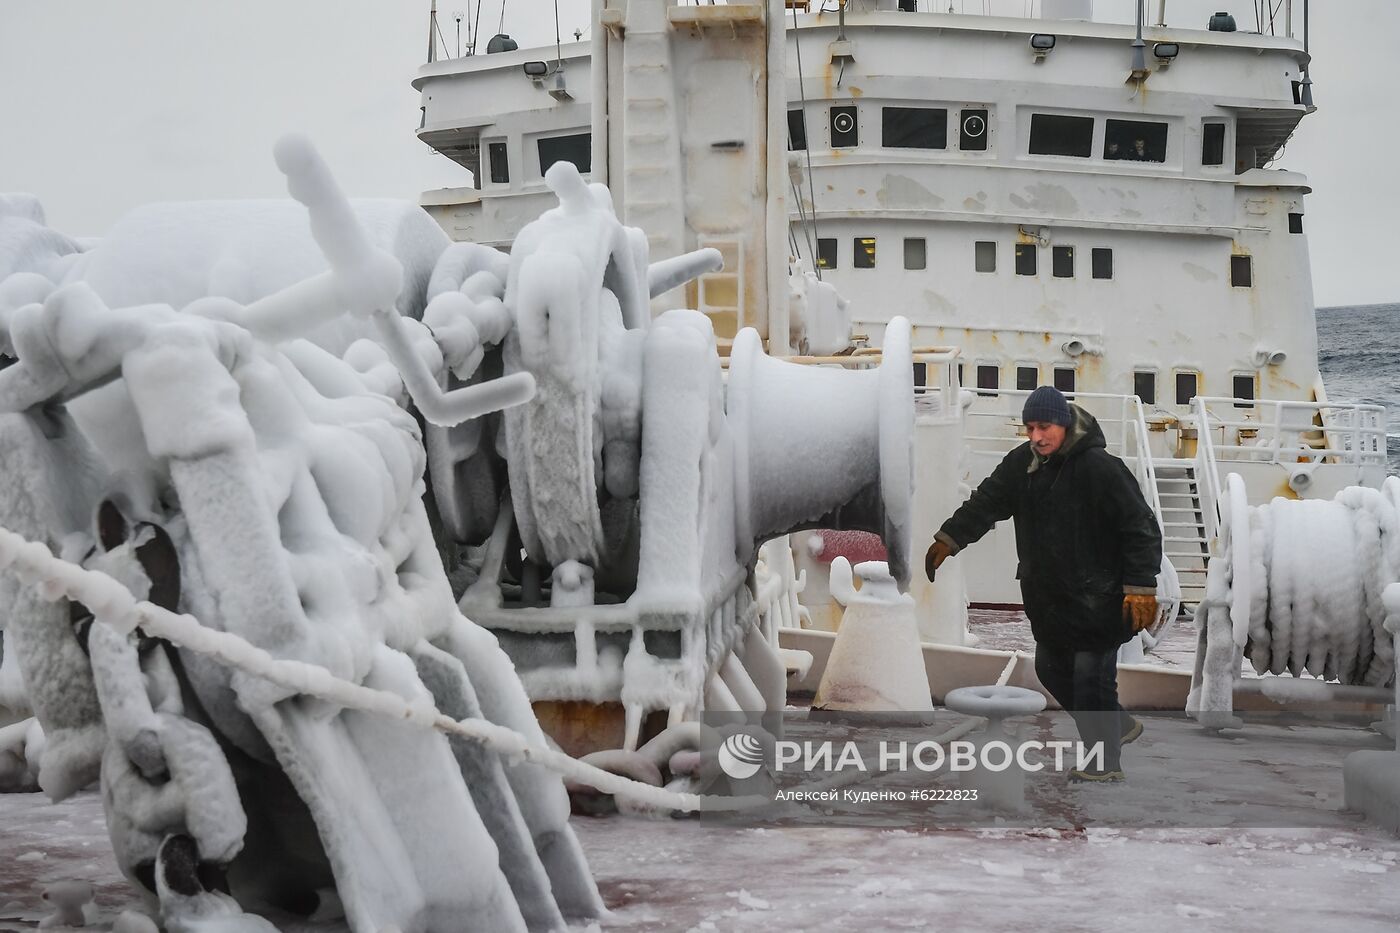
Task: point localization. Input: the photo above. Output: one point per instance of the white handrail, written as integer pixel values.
(1147, 469)
(1207, 468)
(1352, 434)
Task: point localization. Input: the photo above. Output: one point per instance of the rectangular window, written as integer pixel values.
(1134, 141)
(797, 130)
(1064, 379)
(1213, 144)
(921, 374)
(988, 376)
(500, 165)
(914, 128)
(1053, 134)
(577, 149)
(1062, 262)
(1295, 223)
(1241, 272)
(1101, 262)
(864, 252)
(985, 255)
(845, 131)
(972, 134)
(1185, 388)
(1025, 259)
(1244, 389)
(915, 253)
(1145, 386)
(826, 253)
(960, 376)
(1027, 377)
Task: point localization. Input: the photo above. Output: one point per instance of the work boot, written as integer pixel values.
(1096, 776)
(1133, 732)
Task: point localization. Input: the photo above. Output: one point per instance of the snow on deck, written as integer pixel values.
(1091, 858)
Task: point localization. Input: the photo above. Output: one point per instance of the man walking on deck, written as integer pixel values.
(1089, 549)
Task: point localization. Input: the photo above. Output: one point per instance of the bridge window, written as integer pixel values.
(985, 255)
(864, 252)
(915, 253)
(797, 130)
(500, 164)
(1062, 262)
(1185, 388)
(1295, 223)
(1213, 144)
(845, 131)
(1241, 272)
(1053, 134)
(921, 374)
(577, 148)
(1025, 259)
(988, 376)
(1101, 262)
(914, 128)
(1064, 379)
(1134, 141)
(1145, 386)
(1027, 376)
(826, 252)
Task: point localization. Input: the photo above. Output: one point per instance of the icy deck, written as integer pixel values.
(804, 873)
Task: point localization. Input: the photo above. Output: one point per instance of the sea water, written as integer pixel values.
(1359, 355)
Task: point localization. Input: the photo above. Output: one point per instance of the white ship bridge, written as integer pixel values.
(1069, 202)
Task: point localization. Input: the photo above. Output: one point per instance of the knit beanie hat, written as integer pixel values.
(1046, 404)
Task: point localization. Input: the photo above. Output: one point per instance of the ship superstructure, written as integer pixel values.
(1084, 204)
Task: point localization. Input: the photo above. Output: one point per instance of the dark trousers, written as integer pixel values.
(1085, 683)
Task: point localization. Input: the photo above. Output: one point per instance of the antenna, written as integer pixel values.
(558, 57)
(458, 17)
(432, 27)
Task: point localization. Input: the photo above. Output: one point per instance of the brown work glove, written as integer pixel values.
(937, 554)
(1140, 609)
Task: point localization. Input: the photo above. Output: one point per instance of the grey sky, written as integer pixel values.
(106, 105)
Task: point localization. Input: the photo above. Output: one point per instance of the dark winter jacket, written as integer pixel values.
(1084, 535)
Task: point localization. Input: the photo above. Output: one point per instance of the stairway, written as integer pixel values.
(1184, 541)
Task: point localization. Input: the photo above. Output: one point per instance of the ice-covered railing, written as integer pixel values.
(1207, 470)
(777, 586)
(1295, 432)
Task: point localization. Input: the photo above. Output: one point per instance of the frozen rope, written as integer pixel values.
(1317, 571)
(114, 605)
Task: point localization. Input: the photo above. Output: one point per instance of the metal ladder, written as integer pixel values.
(651, 151)
(1184, 542)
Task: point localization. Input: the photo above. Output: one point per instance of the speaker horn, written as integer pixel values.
(819, 447)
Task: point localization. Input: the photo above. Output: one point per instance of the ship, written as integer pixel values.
(1090, 205)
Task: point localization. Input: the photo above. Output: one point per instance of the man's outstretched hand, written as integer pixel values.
(936, 555)
(1140, 609)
